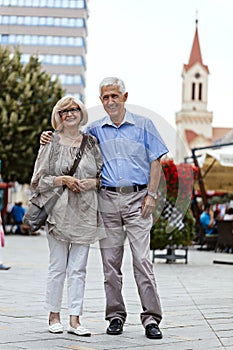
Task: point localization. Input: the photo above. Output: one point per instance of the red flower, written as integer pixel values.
(179, 179)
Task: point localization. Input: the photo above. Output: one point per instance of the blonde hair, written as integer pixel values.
(65, 103)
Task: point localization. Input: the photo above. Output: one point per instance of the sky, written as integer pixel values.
(146, 43)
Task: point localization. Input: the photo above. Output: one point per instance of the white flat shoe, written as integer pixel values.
(80, 330)
(56, 328)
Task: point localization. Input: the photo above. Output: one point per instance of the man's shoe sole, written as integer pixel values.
(155, 337)
(114, 333)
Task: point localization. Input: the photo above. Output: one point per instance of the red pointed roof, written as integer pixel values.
(195, 55)
(192, 135)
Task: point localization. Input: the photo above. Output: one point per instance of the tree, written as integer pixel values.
(28, 95)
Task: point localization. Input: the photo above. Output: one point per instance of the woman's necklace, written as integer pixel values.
(72, 138)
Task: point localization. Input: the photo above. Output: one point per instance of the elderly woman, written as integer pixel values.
(74, 222)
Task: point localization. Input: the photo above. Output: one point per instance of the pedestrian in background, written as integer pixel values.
(208, 221)
(17, 213)
(2, 244)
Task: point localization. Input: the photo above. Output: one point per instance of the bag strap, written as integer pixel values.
(77, 159)
(79, 155)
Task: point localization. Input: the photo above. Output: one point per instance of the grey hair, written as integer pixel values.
(113, 81)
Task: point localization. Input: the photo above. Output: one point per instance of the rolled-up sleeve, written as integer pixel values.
(154, 143)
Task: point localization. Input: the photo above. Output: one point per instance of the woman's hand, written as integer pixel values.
(72, 183)
(77, 185)
(46, 137)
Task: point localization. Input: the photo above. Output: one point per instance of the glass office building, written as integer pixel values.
(55, 30)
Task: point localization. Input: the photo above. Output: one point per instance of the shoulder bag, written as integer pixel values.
(36, 216)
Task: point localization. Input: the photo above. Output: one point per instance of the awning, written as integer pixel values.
(217, 169)
(223, 155)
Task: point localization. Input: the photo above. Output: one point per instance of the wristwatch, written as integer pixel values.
(153, 195)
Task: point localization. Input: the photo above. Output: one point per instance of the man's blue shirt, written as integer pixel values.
(127, 149)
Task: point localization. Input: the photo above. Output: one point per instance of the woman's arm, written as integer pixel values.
(41, 181)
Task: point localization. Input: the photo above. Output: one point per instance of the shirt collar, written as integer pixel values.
(128, 119)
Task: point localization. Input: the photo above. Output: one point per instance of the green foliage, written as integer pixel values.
(161, 238)
(27, 98)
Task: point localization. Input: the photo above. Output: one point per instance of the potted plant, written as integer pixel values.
(174, 224)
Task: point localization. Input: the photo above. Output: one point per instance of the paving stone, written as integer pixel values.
(196, 298)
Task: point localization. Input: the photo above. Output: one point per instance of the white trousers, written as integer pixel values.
(66, 259)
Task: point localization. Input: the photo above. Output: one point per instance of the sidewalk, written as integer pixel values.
(197, 301)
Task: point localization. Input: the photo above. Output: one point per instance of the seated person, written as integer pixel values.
(207, 220)
(17, 213)
(229, 214)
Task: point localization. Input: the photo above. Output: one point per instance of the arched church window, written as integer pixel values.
(193, 91)
(200, 92)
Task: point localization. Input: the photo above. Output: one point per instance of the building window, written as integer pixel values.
(193, 91)
(43, 21)
(5, 38)
(42, 40)
(67, 79)
(200, 92)
(61, 60)
(80, 4)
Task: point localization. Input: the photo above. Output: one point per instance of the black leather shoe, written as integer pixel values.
(153, 331)
(115, 327)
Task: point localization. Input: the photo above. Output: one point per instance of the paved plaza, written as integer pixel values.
(197, 301)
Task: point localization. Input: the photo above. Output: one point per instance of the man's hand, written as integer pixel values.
(87, 184)
(46, 137)
(148, 206)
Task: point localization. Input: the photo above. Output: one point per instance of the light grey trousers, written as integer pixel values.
(71, 260)
(121, 211)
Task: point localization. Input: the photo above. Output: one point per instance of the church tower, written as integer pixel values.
(193, 121)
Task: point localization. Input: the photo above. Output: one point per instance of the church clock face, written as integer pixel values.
(197, 75)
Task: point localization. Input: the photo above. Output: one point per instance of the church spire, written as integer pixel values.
(194, 121)
(195, 55)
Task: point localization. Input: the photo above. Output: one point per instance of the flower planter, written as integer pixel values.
(174, 225)
(171, 255)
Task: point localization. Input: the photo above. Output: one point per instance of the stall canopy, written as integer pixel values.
(216, 166)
